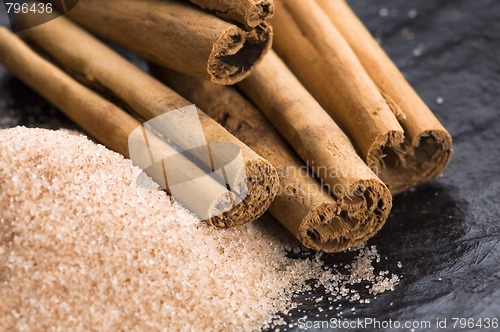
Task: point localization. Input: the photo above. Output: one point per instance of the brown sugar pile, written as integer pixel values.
(83, 247)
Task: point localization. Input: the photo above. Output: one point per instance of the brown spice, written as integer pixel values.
(177, 35)
(318, 220)
(389, 125)
(322, 145)
(428, 146)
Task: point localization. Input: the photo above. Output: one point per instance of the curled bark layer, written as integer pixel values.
(428, 145)
(178, 36)
(405, 147)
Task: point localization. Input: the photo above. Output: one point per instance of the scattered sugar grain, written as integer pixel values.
(412, 13)
(407, 34)
(383, 12)
(419, 50)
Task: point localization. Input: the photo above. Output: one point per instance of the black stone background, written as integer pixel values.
(446, 232)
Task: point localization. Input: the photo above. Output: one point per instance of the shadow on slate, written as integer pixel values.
(446, 233)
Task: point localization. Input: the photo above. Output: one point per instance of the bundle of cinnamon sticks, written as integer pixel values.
(327, 126)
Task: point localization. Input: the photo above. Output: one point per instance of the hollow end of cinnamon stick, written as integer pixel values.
(407, 164)
(260, 12)
(236, 51)
(262, 184)
(350, 221)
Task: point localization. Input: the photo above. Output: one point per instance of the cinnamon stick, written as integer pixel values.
(325, 63)
(428, 144)
(177, 35)
(319, 221)
(97, 64)
(324, 147)
(105, 121)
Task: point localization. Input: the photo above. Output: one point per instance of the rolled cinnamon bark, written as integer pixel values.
(177, 35)
(428, 144)
(317, 139)
(325, 63)
(248, 12)
(96, 64)
(106, 122)
(319, 221)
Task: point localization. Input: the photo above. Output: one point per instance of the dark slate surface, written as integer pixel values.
(446, 233)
